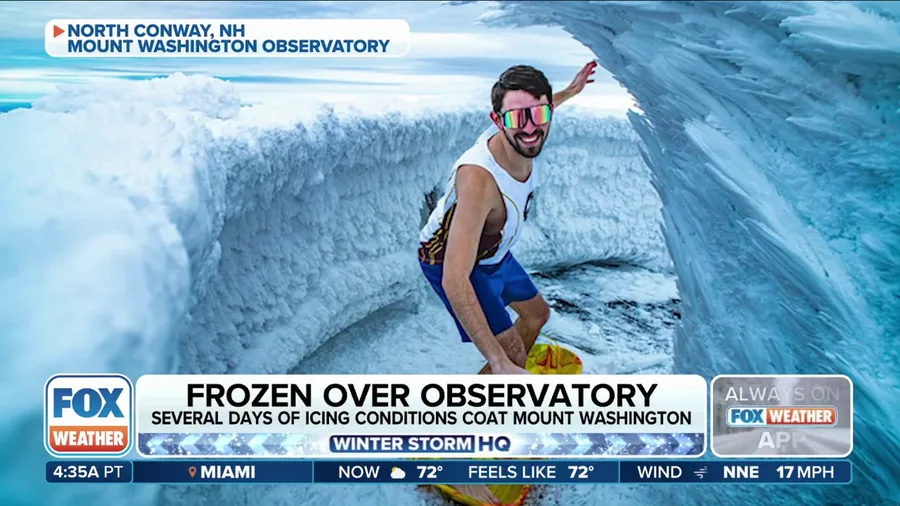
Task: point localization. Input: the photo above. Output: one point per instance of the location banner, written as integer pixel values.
(189, 416)
(226, 38)
(432, 471)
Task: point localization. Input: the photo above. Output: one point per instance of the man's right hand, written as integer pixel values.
(507, 367)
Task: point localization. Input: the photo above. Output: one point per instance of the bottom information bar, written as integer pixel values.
(453, 471)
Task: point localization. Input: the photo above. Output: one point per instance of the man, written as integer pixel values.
(465, 245)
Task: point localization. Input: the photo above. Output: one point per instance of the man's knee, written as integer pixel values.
(538, 314)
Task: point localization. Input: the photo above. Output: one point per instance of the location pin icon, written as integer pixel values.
(192, 471)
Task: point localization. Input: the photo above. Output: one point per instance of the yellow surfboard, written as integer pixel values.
(553, 359)
(542, 359)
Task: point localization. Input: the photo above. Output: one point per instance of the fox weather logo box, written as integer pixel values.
(774, 416)
(88, 415)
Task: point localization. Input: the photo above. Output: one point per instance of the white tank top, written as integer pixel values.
(516, 195)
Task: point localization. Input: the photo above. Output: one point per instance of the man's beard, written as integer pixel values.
(527, 151)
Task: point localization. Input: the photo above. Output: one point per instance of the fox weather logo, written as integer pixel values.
(771, 416)
(88, 415)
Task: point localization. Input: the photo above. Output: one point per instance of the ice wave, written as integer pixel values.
(157, 226)
(325, 218)
(772, 131)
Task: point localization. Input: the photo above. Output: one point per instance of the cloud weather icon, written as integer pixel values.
(397, 474)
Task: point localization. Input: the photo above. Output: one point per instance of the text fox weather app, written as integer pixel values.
(88, 415)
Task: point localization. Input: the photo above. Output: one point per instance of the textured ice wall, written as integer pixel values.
(328, 214)
(329, 217)
(96, 244)
(156, 226)
(773, 134)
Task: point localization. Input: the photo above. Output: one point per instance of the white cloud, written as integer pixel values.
(370, 90)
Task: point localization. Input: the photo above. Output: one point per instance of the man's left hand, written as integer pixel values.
(583, 77)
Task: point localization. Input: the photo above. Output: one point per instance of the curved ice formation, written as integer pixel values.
(157, 226)
(326, 217)
(772, 130)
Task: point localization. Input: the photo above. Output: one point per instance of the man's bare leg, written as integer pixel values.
(506, 337)
(482, 492)
(533, 315)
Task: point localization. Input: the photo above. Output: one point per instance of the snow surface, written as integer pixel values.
(772, 130)
(158, 226)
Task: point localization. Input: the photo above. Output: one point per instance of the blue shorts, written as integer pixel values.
(495, 286)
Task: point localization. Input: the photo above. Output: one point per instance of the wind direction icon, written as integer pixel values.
(701, 473)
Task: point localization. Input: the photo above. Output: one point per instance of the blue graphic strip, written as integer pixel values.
(494, 445)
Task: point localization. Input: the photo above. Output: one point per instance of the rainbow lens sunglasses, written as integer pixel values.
(518, 118)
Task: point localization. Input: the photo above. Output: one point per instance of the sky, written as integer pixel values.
(452, 56)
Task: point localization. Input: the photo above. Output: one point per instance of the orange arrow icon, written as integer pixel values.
(57, 31)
